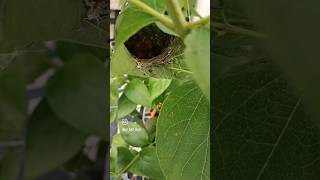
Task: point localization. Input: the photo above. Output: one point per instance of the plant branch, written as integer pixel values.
(136, 157)
(199, 22)
(177, 16)
(149, 10)
(239, 30)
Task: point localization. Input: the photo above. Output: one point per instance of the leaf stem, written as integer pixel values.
(147, 9)
(136, 157)
(239, 30)
(199, 22)
(177, 16)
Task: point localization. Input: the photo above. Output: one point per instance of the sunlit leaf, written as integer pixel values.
(183, 134)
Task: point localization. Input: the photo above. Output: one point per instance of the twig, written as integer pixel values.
(199, 22)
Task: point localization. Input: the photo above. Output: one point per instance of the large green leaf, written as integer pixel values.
(197, 56)
(138, 93)
(78, 94)
(50, 142)
(35, 63)
(261, 129)
(147, 164)
(293, 45)
(29, 21)
(13, 100)
(183, 134)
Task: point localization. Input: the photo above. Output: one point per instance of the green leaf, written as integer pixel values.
(89, 34)
(114, 97)
(294, 46)
(197, 56)
(147, 164)
(125, 107)
(5, 60)
(183, 134)
(29, 21)
(134, 133)
(78, 94)
(138, 93)
(66, 50)
(10, 163)
(157, 86)
(164, 29)
(123, 63)
(124, 158)
(117, 141)
(13, 100)
(132, 19)
(261, 128)
(50, 142)
(35, 63)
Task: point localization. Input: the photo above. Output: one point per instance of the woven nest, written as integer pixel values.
(152, 47)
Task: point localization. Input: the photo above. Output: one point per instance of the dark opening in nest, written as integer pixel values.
(148, 43)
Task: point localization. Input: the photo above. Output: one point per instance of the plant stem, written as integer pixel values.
(199, 22)
(136, 157)
(239, 30)
(149, 10)
(177, 16)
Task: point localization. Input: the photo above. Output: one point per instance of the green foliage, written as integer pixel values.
(81, 85)
(175, 144)
(28, 21)
(13, 100)
(117, 141)
(294, 45)
(157, 86)
(266, 102)
(134, 133)
(50, 142)
(183, 134)
(269, 119)
(9, 164)
(198, 57)
(125, 106)
(147, 164)
(138, 92)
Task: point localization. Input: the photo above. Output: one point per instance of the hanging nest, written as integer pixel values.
(151, 47)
